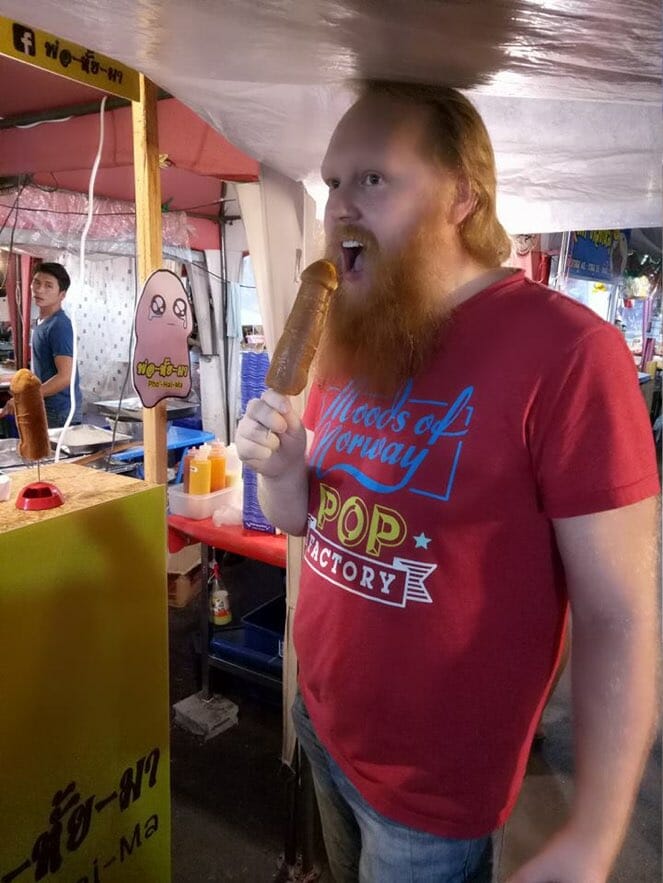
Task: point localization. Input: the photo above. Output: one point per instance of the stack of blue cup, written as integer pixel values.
(254, 371)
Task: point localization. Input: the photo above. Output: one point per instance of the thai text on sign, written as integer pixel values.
(48, 52)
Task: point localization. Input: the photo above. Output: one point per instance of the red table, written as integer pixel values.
(270, 548)
(265, 547)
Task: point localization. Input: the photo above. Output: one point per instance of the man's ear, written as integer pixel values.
(464, 201)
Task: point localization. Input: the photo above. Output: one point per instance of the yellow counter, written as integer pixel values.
(84, 706)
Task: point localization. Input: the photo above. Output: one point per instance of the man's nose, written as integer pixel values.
(342, 206)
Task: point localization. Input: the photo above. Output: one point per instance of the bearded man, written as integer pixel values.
(480, 459)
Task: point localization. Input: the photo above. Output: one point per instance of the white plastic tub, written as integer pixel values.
(199, 506)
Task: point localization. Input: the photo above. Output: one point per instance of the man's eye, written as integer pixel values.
(332, 183)
(370, 179)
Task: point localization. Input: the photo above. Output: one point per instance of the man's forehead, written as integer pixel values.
(41, 276)
(378, 123)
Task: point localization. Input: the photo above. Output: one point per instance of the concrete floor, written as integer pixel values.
(546, 793)
(229, 794)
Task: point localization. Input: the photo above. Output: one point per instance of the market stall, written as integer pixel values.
(280, 96)
(50, 130)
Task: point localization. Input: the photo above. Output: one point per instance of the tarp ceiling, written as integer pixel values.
(569, 89)
(59, 154)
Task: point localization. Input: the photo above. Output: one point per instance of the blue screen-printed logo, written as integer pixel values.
(360, 436)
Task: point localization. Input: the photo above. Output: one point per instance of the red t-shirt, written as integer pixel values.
(432, 600)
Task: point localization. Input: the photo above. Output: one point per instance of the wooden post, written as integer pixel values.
(148, 251)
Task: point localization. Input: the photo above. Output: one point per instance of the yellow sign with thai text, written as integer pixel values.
(51, 53)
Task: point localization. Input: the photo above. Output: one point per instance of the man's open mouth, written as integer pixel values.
(353, 260)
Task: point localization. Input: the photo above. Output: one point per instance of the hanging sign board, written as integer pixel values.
(598, 254)
(50, 53)
(161, 365)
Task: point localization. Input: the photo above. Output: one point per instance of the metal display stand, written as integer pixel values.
(270, 549)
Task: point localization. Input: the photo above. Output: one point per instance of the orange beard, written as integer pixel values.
(389, 334)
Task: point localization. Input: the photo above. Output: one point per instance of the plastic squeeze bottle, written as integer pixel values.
(200, 470)
(219, 601)
(217, 460)
(233, 466)
(188, 457)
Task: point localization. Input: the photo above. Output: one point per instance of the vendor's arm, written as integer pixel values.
(271, 439)
(61, 379)
(610, 560)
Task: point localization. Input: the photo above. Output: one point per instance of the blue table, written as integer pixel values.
(178, 438)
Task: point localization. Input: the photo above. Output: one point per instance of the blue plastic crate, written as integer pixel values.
(231, 644)
(189, 423)
(265, 627)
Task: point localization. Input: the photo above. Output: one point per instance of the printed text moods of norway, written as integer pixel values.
(382, 447)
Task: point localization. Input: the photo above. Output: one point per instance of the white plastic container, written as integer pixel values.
(198, 506)
(229, 510)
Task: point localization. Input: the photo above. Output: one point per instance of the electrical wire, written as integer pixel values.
(189, 208)
(18, 343)
(18, 347)
(223, 279)
(88, 223)
(12, 208)
(109, 454)
(43, 122)
(197, 264)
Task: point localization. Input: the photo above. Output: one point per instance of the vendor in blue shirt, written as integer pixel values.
(53, 344)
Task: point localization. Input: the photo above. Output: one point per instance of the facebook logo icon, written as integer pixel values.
(24, 40)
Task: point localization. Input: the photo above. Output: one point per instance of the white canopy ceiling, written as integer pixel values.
(569, 89)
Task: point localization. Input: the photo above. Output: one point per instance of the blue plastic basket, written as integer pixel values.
(233, 645)
(265, 627)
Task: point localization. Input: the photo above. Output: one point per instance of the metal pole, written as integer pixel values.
(204, 623)
(561, 275)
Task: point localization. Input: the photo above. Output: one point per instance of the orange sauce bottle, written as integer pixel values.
(188, 457)
(199, 474)
(217, 460)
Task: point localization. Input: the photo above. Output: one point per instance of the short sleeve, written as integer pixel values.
(312, 408)
(61, 339)
(588, 430)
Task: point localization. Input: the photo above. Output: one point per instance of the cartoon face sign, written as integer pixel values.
(157, 307)
(163, 307)
(161, 366)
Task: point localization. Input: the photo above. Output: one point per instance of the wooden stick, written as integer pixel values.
(149, 251)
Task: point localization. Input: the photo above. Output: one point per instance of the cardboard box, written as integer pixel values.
(184, 577)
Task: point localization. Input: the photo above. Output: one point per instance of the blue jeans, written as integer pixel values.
(365, 847)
